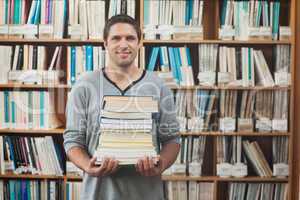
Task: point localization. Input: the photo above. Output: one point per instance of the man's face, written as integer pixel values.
(122, 44)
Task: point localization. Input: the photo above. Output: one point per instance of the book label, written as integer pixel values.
(239, 170)
(178, 168)
(227, 124)
(28, 29)
(226, 32)
(224, 77)
(245, 124)
(224, 170)
(282, 78)
(265, 31)
(280, 124)
(196, 124)
(264, 124)
(4, 29)
(207, 78)
(195, 169)
(46, 29)
(285, 31)
(253, 31)
(281, 170)
(75, 30)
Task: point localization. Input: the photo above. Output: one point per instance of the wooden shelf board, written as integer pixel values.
(219, 179)
(100, 41)
(34, 86)
(54, 41)
(230, 88)
(218, 133)
(73, 177)
(58, 131)
(271, 42)
(29, 176)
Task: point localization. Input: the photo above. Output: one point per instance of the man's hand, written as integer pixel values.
(150, 166)
(108, 166)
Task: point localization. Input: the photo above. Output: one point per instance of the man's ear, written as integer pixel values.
(105, 43)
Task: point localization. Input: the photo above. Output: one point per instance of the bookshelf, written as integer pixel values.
(211, 23)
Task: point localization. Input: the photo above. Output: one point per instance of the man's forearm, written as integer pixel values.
(79, 157)
(169, 154)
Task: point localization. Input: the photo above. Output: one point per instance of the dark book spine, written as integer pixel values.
(31, 153)
(20, 58)
(34, 57)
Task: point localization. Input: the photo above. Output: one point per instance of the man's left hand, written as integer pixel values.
(150, 166)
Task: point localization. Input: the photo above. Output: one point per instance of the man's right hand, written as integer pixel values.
(108, 166)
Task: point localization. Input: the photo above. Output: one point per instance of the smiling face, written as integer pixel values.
(122, 44)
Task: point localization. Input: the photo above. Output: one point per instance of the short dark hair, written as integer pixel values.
(122, 18)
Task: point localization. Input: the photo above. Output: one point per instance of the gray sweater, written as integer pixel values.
(82, 130)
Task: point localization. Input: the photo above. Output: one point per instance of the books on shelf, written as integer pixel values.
(189, 190)
(32, 189)
(280, 152)
(72, 169)
(244, 20)
(73, 190)
(28, 110)
(173, 65)
(249, 191)
(86, 19)
(126, 125)
(31, 155)
(117, 7)
(32, 19)
(173, 19)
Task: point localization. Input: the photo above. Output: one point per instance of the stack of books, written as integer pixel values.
(126, 128)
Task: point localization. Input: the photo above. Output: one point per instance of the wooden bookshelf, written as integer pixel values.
(33, 86)
(58, 131)
(211, 23)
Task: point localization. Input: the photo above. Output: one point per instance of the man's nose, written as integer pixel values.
(123, 43)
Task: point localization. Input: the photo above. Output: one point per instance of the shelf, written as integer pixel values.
(29, 176)
(230, 88)
(270, 42)
(73, 177)
(218, 133)
(34, 86)
(50, 41)
(217, 178)
(58, 131)
(67, 41)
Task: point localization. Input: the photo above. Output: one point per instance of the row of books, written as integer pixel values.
(222, 65)
(82, 59)
(31, 155)
(31, 189)
(232, 110)
(243, 20)
(20, 18)
(173, 19)
(254, 191)
(73, 190)
(126, 125)
(31, 64)
(189, 190)
(234, 154)
(28, 110)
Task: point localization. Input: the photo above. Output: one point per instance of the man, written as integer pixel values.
(108, 181)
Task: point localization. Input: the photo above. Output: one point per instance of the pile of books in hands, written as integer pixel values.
(126, 126)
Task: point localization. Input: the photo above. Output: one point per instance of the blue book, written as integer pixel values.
(6, 108)
(188, 55)
(12, 192)
(13, 112)
(173, 63)
(67, 191)
(28, 189)
(146, 11)
(223, 13)
(163, 58)
(153, 58)
(37, 13)
(42, 109)
(6, 17)
(259, 11)
(11, 151)
(73, 65)
(89, 58)
(23, 192)
(178, 63)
